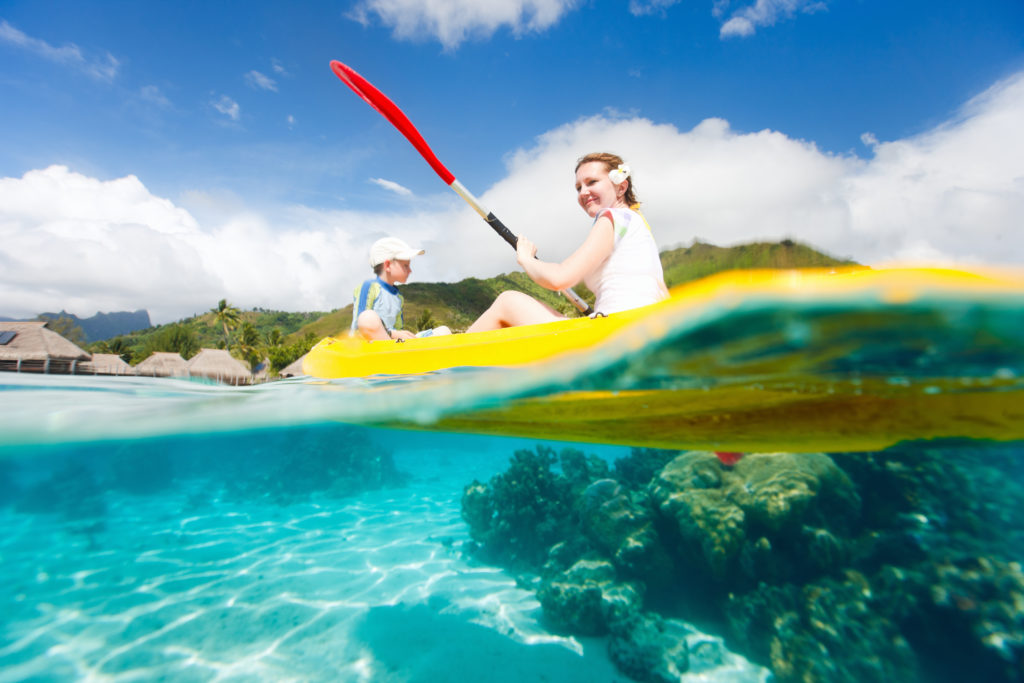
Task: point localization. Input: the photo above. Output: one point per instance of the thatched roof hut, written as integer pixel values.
(105, 364)
(294, 369)
(163, 364)
(219, 365)
(32, 347)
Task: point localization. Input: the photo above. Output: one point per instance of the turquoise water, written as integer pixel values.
(307, 552)
(176, 530)
(324, 551)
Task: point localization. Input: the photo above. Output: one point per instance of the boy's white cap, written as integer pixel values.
(390, 249)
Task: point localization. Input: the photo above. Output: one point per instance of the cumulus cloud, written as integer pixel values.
(103, 68)
(227, 106)
(744, 21)
(453, 22)
(392, 186)
(951, 194)
(260, 81)
(83, 244)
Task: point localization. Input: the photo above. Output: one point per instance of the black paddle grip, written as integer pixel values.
(500, 228)
(507, 235)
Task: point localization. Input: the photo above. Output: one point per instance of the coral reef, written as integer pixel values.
(884, 566)
(647, 647)
(587, 599)
(519, 515)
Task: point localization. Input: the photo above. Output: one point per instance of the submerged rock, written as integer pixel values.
(806, 577)
(758, 516)
(831, 630)
(519, 515)
(587, 598)
(648, 647)
(973, 607)
(623, 530)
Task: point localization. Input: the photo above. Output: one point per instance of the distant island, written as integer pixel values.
(106, 325)
(98, 327)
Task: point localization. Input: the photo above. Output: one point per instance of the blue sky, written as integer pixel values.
(165, 155)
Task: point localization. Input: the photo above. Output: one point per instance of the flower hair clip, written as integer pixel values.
(618, 175)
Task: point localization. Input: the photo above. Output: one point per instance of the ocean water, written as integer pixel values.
(158, 529)
(327, 551)
(316, 551)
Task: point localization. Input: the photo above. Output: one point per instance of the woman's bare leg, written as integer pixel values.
(512, 309)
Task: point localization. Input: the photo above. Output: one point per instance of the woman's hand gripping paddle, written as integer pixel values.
(389, 110)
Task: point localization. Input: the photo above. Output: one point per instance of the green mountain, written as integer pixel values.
(284, 336)
(700, 260)
(458, 304)
(104, 325)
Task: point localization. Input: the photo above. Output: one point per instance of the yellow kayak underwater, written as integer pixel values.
(798, 360)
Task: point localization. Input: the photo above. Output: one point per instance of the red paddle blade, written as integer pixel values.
(389, 110)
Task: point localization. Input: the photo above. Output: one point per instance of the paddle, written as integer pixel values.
(389, 110)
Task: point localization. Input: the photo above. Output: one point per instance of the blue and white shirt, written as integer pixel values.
(378, 296)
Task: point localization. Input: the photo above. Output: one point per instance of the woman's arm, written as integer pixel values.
(591, 254)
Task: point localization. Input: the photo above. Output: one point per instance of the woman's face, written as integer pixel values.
(595, 191)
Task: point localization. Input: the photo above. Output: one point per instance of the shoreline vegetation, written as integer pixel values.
(280, 337)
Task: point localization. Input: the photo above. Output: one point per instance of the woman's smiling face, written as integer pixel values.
(595, 191)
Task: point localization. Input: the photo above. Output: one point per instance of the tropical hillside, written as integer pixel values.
(428, 304)
(283, 337)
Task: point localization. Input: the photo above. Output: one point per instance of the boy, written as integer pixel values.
(377, 309)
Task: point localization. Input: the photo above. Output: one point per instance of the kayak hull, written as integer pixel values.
(817, 360)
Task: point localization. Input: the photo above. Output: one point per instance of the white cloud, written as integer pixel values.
(154, 95)
(745, 21)
(103, 68)
(392, 186)
(260, 81)
(453, 22)
(951, 194)
(642, 7)
(279, 67)
(227, 106)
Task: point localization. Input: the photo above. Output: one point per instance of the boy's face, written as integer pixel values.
(397, 271)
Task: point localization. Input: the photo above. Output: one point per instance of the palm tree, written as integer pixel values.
(248, 344)
(228, 316)
(275, 338)
(426, 321)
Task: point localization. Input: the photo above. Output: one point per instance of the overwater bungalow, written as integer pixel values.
(294, 369)
(32, 347)
(163, 364)
(219, 365)
(105, 364)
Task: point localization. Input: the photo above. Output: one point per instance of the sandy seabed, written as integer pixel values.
(184, 586)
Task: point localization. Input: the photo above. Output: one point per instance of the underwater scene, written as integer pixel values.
(751, 491)
(329, 551)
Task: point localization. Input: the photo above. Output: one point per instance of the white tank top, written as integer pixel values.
(631, 276)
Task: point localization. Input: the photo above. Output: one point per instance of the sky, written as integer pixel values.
(166, 155)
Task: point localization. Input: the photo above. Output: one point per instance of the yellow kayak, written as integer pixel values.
(800, 360)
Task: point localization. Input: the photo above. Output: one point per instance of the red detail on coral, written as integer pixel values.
(729, 459)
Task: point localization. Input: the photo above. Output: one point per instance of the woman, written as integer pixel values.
(618, 261)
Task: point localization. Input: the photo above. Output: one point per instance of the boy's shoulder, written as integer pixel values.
(376, 286)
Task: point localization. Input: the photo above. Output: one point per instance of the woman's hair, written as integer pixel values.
(612, 161)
